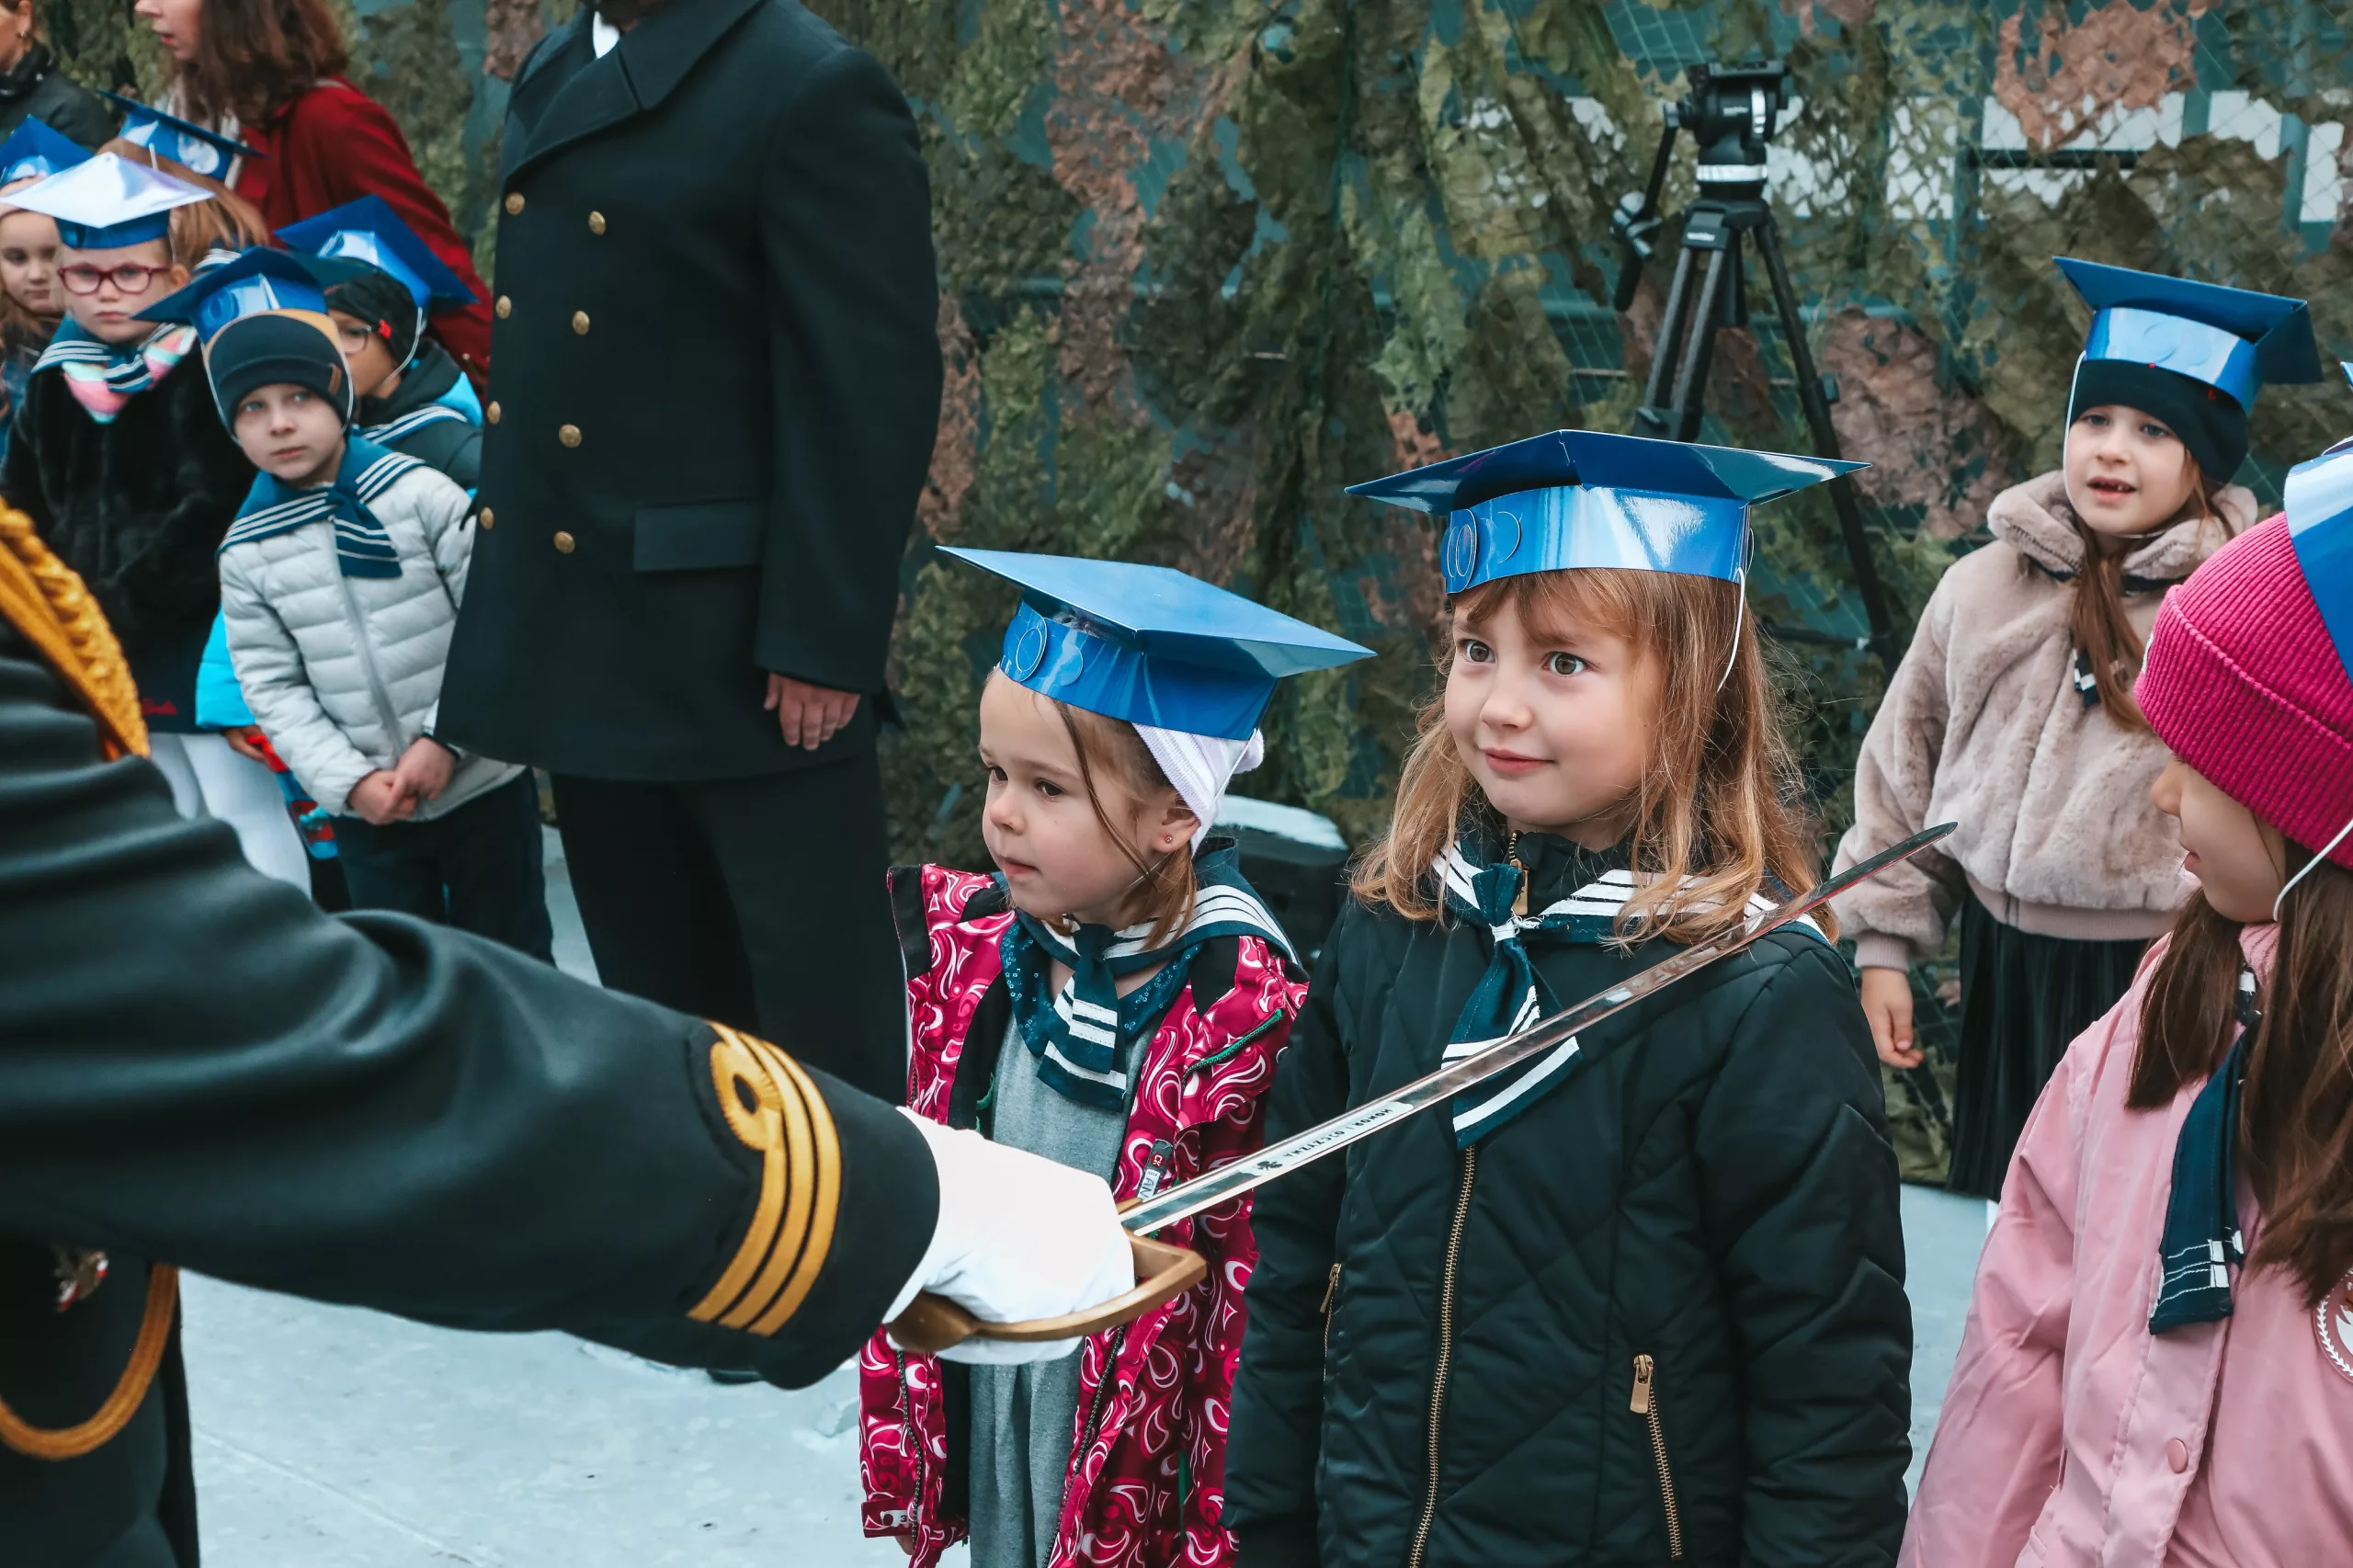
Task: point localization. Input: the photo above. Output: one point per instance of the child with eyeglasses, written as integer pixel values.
(121, 461)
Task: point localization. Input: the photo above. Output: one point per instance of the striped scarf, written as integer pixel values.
(1510, 995)
(363, 547)
(1081, 1034)
(2202, 1243)
(104, 376)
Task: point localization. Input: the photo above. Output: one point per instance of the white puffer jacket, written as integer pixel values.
(342, 673)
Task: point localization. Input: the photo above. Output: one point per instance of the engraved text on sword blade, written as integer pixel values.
(1209, 1191)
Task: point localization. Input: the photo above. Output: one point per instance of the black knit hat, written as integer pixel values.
(297, 348)
(382, 301)
(2210, 423)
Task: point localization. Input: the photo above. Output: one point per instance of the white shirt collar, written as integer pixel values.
(602, 34)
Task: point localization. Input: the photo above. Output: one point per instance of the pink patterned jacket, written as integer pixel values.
(1146, 1487)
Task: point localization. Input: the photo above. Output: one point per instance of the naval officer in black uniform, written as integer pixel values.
(715, 383)
(198, 1067)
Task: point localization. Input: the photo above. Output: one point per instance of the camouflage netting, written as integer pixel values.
(1206, 262)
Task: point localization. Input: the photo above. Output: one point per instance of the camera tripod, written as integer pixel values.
(1730, 113)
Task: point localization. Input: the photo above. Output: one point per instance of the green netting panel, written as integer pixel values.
(1206, 262)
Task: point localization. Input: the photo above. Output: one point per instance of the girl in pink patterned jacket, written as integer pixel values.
(1114, 998)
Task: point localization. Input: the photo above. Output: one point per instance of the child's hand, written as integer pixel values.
(1887, 1003)
(425, 769)
(380, 800)
(244, 740)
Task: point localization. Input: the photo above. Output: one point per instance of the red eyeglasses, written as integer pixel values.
(129, 277)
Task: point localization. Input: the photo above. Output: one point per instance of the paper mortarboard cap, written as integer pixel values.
(259, 280)
(106, 201)
(1582, 498)
(1150, 645)
(369, 231)
(168, 136)
(2233, 340)
(2319, 503)
(35, 151)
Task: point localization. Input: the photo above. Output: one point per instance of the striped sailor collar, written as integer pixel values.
(1573, 891)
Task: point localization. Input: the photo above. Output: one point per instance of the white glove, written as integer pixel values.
(1019, 1237)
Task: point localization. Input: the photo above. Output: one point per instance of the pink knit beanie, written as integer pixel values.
(2247, 677)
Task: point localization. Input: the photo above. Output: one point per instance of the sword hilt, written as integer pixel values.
(932, 1324)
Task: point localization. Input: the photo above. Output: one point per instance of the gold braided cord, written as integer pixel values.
(773, 1108)
(45, 599)
(129, 1389)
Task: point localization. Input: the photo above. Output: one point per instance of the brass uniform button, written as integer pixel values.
(596, 222)
(580, 322)
(488, 519)
(564, 543)
(513, 202)
(568, 434)
(505, 307)
(491, 413)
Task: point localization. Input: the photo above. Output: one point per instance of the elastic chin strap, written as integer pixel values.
(2306, 870)
(1739, 618)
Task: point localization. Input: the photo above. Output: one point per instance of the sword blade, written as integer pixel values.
(1217, 1186)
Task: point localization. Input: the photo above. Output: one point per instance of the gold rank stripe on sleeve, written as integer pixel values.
(774, 1108)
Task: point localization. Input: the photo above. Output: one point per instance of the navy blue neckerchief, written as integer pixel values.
(1081, 1034)
(363, 547)
(1481, 887)
(2202, 1243)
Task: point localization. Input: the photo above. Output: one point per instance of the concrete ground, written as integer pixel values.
(331, 1436)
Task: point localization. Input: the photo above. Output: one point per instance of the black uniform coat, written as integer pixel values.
(197, 1066)
(716, 379)
(1713, 1189)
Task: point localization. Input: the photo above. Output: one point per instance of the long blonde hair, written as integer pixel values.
(1716, 811)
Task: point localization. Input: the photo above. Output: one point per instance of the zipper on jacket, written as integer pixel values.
(1645, 1404)
(1331, 1304)
(1206, 1063)
(914, 1437)
(1102, 1391)
(1155, 1169)
(1445, 1346)
(385, 711)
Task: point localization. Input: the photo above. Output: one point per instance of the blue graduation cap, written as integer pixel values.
(1150, 645)
(35, 151)
(168, 136)
(105, 202)
(2319, 500)
(1583, 498)
(2233, 340)
(257, 280)
(369, 230)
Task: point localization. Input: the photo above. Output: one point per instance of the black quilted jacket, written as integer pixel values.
(1659, 1316)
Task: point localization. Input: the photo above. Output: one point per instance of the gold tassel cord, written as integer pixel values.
(129, 1389)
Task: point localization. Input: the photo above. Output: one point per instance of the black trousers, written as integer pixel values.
(480, 869)
(758, 902)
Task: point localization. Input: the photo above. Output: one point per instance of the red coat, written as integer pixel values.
(335, 144)
(1200, 1103)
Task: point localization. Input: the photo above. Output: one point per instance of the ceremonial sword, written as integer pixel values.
(1166, 1272)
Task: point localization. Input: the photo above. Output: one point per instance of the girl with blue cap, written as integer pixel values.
(2013, 714)
(1642, 1298)
(1113, 998)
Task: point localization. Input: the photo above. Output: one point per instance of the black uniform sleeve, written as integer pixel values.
(1801, 1201)
(845, 238)
(1276, 1434)
(198, 1067)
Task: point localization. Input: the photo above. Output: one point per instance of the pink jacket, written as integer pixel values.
(2070, 1433)
(1147, 1487)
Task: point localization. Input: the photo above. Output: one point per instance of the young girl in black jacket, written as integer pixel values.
(1641, 1301)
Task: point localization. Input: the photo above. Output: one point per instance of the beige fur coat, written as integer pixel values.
(1983, 725)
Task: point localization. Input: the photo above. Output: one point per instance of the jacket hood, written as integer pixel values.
(2036, 519)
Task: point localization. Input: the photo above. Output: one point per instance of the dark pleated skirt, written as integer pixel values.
(2024, 999)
